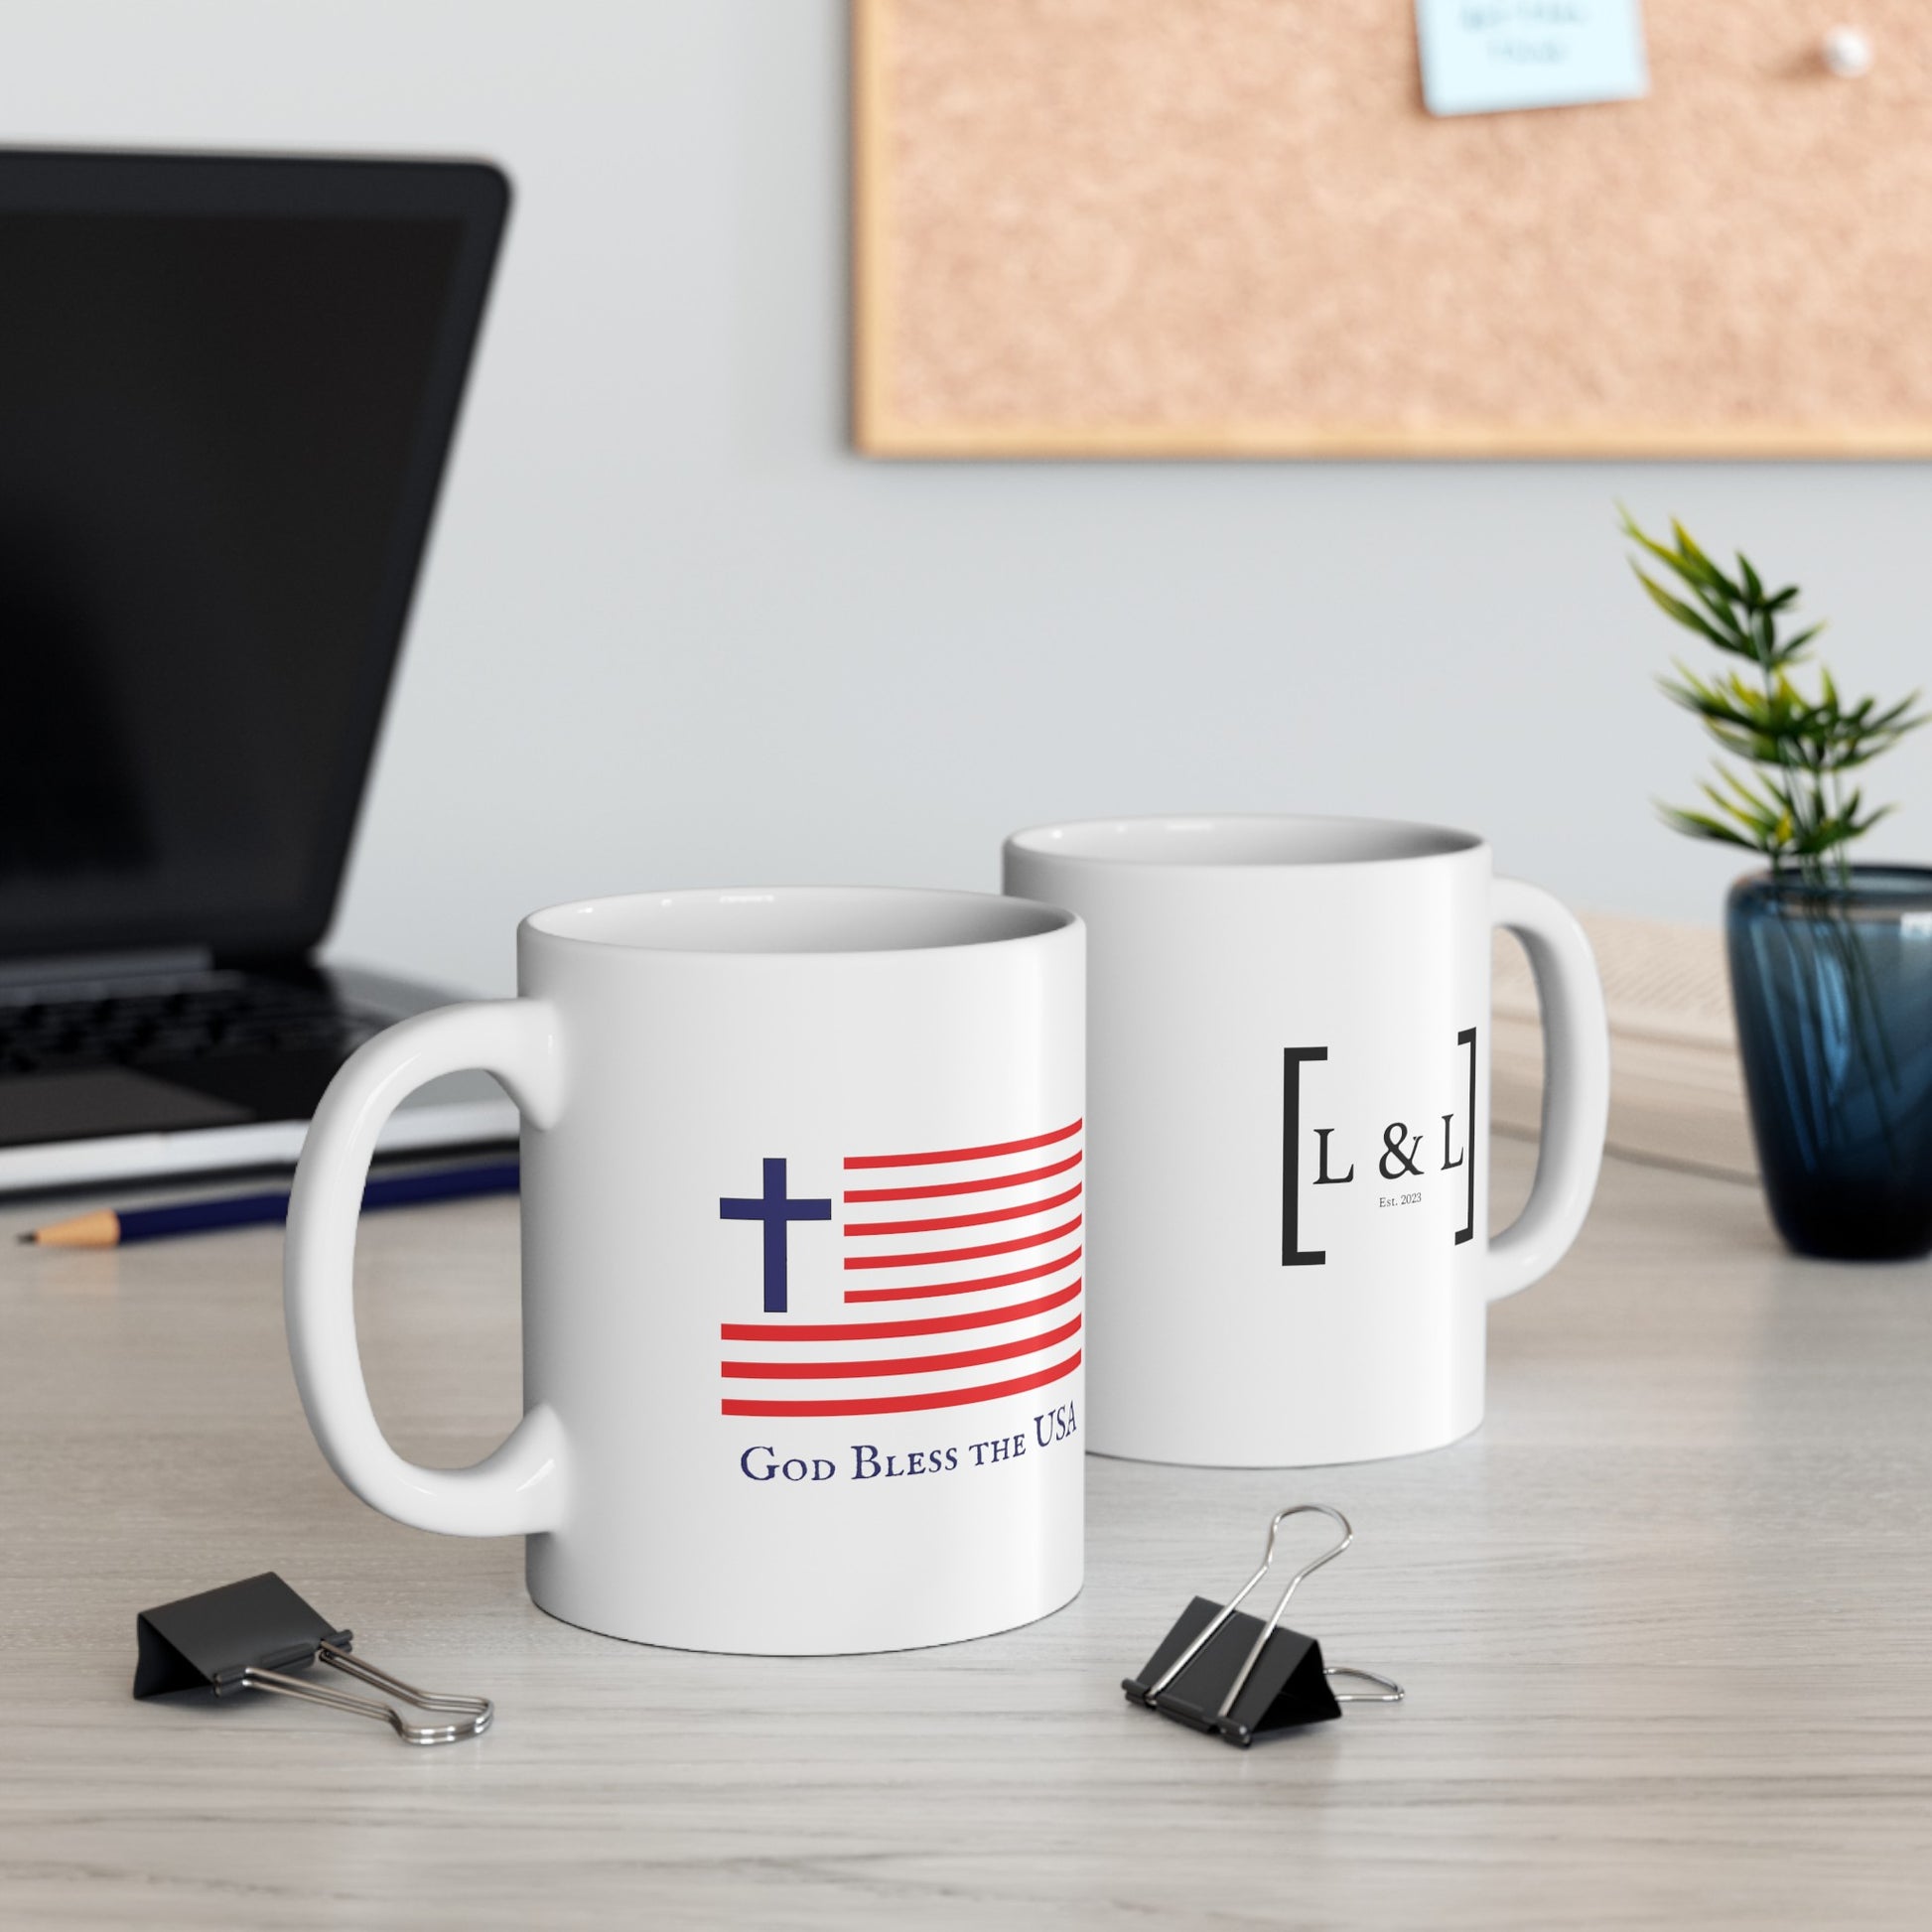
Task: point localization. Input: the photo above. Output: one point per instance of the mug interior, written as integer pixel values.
(1241, 839)
(800, 919)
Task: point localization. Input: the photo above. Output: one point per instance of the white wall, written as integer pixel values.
(673, 632)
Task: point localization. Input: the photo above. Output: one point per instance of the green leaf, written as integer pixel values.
(1746, 808)
(1681, 613)
(1697, 825)
(1690, 565)
(1888, 720)
(1694, 563)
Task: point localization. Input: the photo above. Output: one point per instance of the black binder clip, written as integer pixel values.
(1221, 1670)
(249, 1636)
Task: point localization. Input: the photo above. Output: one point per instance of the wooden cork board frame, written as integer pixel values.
(1229, 227)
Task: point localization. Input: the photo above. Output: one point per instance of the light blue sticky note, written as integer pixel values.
(1484, 56)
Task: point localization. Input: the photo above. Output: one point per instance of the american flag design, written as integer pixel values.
(961, 1267)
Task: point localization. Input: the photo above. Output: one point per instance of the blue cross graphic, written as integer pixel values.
(778, 1213)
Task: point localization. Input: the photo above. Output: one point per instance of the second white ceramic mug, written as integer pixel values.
(1288, 1249)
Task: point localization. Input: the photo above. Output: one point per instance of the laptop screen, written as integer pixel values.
(226, 389)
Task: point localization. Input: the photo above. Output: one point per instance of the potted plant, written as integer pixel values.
(1831, 962)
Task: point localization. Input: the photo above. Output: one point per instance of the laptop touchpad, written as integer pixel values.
(102, 1100)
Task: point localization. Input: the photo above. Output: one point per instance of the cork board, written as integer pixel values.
(1221, 228)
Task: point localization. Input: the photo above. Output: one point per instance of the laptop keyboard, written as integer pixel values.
(223, 1013)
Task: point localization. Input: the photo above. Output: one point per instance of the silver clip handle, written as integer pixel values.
(1233, 1604)
(1391, 1691)
(478, 1713)
(1294, 1582)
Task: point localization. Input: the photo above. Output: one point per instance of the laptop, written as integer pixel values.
(228, 387)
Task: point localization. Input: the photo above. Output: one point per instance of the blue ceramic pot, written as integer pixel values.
(1833, 987)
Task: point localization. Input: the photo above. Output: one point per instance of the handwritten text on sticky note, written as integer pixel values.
(1482, 57)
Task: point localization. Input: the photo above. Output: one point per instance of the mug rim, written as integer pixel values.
(1022, 921)
(1426, 842)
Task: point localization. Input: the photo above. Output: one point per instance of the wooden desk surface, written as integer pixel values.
(1663, 1623)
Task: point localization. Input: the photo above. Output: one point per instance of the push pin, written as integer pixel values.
(1221, 1670)
(249, 1636)
(1847, 53)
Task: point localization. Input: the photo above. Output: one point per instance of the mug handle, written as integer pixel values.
(520, 1488)
(1575, 1087)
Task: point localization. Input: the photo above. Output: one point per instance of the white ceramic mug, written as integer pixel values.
(802, 1199)
(1288, 1121)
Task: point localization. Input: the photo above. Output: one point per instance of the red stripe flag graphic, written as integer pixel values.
(976, 1253)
